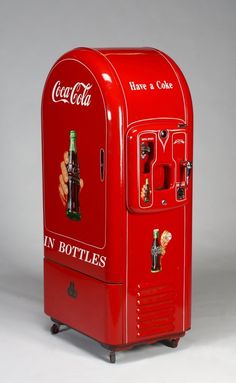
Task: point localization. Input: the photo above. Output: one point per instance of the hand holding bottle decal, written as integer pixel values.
(63, 180)
(70, 182)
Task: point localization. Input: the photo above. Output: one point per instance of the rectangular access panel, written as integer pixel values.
(117, 128)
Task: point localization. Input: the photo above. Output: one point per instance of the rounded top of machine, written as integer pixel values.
(143, 83)
(146, 81)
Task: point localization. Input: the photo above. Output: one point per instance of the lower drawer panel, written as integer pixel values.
(84, 303)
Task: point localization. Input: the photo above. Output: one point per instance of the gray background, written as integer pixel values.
(200, 37)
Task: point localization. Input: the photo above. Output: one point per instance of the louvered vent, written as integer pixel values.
(155, 307)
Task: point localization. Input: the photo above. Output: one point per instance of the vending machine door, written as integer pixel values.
(158, 183)
(73, 117)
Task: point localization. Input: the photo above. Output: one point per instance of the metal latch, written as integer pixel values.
(188, 165)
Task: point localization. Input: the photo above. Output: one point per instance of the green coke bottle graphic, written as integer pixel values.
(155, 252)
(73, 207)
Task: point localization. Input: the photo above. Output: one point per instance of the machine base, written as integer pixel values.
(171, 342)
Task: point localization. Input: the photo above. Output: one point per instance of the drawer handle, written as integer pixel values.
(72, 292)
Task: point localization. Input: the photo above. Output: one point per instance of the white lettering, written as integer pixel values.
(179, 141)
(87, 257)
(49, 242)
(82, 251)
(68, 250)
(164, 84)
(76, 95)
(102, 260)
(61, 247)
(134, 86)
(95, 259)
(78, 253)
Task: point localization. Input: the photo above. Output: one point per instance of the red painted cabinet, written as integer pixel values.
(117, 128)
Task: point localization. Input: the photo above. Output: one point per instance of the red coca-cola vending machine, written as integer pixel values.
(117, 131)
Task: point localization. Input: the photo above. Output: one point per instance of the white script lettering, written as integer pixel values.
(75, 95)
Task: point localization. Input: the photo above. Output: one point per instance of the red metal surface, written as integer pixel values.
(101, 302)
(134, 95)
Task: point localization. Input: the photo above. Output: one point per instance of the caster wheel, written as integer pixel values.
(173, 343)
(112, 357)
(55, 329)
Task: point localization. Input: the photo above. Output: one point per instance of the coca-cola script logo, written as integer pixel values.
(75, 95)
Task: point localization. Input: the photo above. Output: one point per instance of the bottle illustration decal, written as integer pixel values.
(155, 251)
(73, 206)
(159, 249)
(146, 191)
